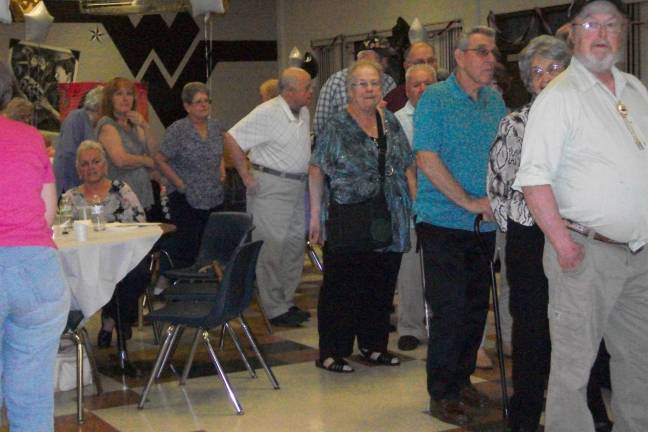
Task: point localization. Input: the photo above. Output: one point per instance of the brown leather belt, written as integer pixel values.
(274, 172)
(590, 233)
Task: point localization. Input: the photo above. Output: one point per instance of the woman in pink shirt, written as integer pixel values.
(34, 300)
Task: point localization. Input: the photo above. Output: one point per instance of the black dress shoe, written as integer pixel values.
(300, 312)
(449, 411)
(408, 343)
(473, 398)
(289, 319)
(103, 338)
(605, 426)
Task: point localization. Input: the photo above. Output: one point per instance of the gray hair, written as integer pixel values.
(545, 46)
(357, 65)
(92, 99)
(192, 89)
(290, 77)
(6, 85)
(17, 108)
(464, 41)
(420, 67)
(90, 145)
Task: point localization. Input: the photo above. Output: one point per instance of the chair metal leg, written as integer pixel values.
(166, 345)
(169, 352)
(83, 333)
(237, 344)
(221, 372)
(79, 378)
(221, 340)
(263, 313)
(140, 312)
(257, 351)
(192, 353)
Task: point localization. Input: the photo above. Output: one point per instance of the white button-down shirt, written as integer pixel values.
(577, 141)
(405, 117)
(275, 137)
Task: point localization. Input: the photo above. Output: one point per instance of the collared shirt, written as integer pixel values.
(460, 131)
(349, 158)
(275, 138)
(333, 97)
(503, 165)
(405, 116)
(577, 142)
(196, 161)
(75, 129)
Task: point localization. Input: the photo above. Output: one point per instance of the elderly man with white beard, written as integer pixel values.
(584, 174)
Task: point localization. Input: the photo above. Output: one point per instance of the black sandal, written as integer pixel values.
(382, 358)
(338, 365)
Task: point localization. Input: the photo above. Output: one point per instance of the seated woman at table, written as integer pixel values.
(122, 205)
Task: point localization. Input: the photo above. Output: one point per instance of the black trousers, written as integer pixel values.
(456, 288)
(190, 224)
(127, 294)
(529, 300)
(355, 301)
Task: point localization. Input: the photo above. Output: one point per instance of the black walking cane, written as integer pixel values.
(498, 327)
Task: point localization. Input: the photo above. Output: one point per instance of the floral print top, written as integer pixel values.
(503, 165)
(120, 205)
(348, 157)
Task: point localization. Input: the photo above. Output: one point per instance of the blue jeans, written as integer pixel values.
(34, 304)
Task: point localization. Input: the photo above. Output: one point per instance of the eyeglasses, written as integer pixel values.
(483, 52)
(201, 101)
(427, 61)
(552, 70)
(366, 84)
(612, 27)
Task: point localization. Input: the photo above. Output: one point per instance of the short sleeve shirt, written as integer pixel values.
(275, 136)
(460, 130)
(196, 161)
(578, 142)
(25, 168)
(349, 158)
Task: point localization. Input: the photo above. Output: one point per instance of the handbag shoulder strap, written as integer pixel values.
(382, 148)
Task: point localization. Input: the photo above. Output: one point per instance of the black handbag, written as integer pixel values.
(363, 226)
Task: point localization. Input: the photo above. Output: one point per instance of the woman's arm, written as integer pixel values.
(315, 187)
(48, 194)
(110, 139)
(168, 172)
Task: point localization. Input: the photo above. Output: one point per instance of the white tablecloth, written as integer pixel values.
(92, 268)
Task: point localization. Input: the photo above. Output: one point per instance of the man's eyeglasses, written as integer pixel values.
(613, 27)
(366, 84)
(201, 101)
(483, 52)
(552, 70)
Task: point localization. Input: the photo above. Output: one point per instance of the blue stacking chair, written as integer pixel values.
(223, 233)
(234, 295)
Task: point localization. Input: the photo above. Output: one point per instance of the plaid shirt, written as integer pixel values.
(333, 97)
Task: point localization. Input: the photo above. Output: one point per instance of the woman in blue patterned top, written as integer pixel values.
(358, 288)
(191, 158)
(120, 204)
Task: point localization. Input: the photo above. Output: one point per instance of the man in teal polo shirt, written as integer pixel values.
(454, 124)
